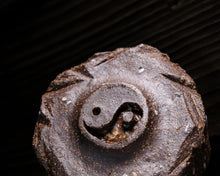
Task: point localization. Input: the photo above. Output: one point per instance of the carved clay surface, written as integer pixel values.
(123, 113)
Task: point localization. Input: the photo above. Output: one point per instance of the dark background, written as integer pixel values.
(43, 38)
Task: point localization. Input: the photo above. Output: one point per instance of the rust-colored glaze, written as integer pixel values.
(126, 112)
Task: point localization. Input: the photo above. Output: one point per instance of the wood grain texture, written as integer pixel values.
(40, 39)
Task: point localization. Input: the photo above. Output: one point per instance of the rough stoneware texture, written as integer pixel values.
(126, 112)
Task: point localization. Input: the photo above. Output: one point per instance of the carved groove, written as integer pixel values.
(82, 69)
(48, 104)
(56, 85)
(103, 61)
(179, 80)
(178, 167)
(193, 110)
(185, 150)
(43, 119)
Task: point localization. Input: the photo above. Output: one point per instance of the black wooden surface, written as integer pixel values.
(40, 39)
